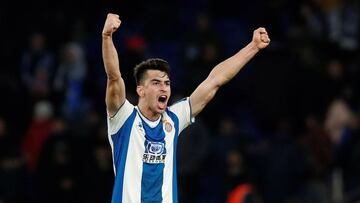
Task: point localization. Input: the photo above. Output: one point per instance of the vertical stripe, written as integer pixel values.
(120, 141)
(176, 125)
(152, 180)
(133, 167)
(168, 169)
(152, 175)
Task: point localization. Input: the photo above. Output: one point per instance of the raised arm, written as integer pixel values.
(226, 70)
(115, 89)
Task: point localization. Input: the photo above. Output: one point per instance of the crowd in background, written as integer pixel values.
(285, 130)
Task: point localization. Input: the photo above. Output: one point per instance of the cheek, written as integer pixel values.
(150, 93)
(169, 90)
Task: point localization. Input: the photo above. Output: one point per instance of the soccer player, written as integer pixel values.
(143, 138)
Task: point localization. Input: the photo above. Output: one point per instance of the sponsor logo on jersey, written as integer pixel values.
(155, 152)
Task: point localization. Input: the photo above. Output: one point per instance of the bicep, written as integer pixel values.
(203, 95)
(115, 95)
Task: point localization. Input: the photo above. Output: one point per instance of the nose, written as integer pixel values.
(163, 87)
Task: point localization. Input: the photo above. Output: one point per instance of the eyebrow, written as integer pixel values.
(157, 80)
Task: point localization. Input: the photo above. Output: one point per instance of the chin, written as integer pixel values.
(160, 111)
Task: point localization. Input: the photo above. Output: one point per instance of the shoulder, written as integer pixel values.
(180, 103)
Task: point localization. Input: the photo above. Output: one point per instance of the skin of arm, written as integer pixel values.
(115, 89)
(226, 70)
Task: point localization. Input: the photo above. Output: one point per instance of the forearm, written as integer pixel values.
(226, 70)
(110, 58)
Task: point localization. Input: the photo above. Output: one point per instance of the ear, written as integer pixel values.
(140, 90)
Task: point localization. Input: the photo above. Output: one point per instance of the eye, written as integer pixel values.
(167, 83)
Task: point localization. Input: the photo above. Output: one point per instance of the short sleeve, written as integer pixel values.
(182, 109)
(117, 121)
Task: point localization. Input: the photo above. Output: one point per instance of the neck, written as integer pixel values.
(146, 111)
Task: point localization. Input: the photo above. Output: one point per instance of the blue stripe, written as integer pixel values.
(176, 125)
(120, 145)
(151, 183)
(152, 176)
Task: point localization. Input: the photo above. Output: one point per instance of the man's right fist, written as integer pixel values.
(112, 23)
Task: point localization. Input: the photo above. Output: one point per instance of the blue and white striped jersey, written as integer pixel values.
(144, 153)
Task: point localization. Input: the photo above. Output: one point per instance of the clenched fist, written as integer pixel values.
(261, 38)
(112, 23)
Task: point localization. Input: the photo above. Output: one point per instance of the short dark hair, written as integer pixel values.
(150, 64)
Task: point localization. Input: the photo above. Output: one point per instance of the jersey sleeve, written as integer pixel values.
(117, 121)
(182, 109)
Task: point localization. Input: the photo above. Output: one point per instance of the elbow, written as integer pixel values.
(113, 77)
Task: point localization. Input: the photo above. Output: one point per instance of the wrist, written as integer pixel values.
(252, 45)
(106, 35)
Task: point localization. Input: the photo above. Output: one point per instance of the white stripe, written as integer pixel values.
(134, 165)
(167, 189)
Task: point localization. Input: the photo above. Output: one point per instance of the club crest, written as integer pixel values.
(168, 127)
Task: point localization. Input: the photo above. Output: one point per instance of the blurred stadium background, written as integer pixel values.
(285, 130)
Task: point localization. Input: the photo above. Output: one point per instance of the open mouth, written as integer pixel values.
(162, 99)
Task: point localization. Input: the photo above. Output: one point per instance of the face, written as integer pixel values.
(155, 91)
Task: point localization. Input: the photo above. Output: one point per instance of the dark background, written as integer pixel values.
(285, 130)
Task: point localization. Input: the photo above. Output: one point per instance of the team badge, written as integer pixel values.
(168, 127)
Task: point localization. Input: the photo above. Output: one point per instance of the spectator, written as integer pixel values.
(37, 67)
(37, 133)
(69, 81)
